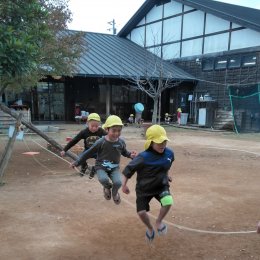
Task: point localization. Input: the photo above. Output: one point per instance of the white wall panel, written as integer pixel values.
(153, 34)
(216, 43)
(154, 14)
(137, 35)
(215, 24)
(244, 38)
(235, 25)
(171, 51)
(190, 48)
(187, 8)
(193, 24)
(172, 29)
(172, 8)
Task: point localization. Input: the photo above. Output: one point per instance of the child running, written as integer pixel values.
(108, 150)
(90, 135)
(152, 166)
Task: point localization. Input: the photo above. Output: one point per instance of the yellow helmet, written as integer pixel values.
(166, 114)
(156, 134)
(94, 116)
(179, 110)
(132, 115)
(113, 121)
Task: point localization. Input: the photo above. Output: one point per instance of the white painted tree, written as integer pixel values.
(153, 87)
(154, 76)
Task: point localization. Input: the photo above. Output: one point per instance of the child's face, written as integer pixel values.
(114, 132)
(93, 126)
(159, 148)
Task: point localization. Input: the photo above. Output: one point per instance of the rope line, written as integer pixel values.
(233, 149)
(165, 221)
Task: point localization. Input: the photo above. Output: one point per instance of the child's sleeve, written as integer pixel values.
(133, 166)
(88, 153)
(74, 141)
(125, 152)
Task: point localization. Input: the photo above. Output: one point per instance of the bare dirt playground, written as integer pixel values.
(47, 211)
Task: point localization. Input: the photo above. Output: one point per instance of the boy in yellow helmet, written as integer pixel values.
(152, 168)
(90, 135)
(108, 150)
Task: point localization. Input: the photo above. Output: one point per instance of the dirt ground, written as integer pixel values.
(47, 211)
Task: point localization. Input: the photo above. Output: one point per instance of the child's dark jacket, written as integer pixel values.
(88, 137)
(107, 153)
(152, 171)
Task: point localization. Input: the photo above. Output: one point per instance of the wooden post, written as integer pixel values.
(8, 149)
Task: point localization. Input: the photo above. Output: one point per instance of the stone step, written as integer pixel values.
(7, 120)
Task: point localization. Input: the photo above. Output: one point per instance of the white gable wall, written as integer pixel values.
(182, 31)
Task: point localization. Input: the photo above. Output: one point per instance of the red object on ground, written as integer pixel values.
(68, 139)
(258, 228)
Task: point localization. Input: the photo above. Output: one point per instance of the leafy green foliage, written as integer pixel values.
(34, 41)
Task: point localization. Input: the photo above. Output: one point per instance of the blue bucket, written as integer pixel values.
(139, 107)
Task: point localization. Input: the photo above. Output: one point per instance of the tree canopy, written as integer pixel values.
(35, 42)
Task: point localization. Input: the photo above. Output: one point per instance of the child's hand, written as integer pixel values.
(62, 153)
(133, 154)
(72, 165)
(125, 189)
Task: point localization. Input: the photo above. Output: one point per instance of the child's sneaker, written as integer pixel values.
(83, 171)
(107, 193)
(92, 173)
(117, 199)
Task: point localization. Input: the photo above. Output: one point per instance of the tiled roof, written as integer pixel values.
(244, 16)
(110, 56)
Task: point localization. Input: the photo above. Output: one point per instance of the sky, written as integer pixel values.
(94, 16)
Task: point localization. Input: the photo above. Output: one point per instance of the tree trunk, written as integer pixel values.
(159, 98)
(159, 109)
(8, 149)
(37, 131)
(155, 110)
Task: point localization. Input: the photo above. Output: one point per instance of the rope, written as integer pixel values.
(165, 221)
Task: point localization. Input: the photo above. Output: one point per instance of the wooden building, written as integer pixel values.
(217, 43)
(205, 45)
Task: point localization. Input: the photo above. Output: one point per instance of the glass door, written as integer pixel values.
(50, 101)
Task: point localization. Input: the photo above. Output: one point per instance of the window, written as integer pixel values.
(220, 63)
(208, 64)
(249, 60)
(234, 62)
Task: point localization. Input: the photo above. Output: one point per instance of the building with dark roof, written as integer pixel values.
(104, 82)
(217, 43)
(206, 47)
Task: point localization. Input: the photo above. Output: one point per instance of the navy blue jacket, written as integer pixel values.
(152, 171)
